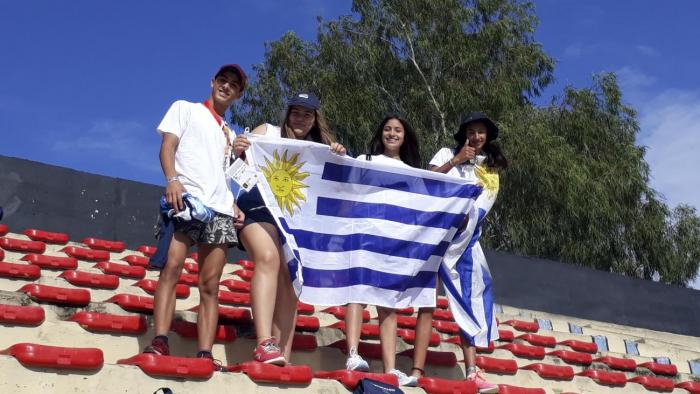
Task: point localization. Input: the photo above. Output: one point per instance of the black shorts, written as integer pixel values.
(253, 206)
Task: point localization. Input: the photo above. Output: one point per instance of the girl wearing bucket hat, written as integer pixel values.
(467, 280)
(273, 300)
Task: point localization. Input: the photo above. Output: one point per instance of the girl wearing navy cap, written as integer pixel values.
(477, 156)
(273, 300)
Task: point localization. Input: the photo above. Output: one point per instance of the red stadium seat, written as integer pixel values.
(489, 349)
(407, 321)
(443, 314)
(350, 379)
(367, 331)
(497, 365)
(444, 359)
(528, 326)
(88, 279)
(691, 387)
(2, 254)
(247, 264)
(133, 303)
(305, 309)
(307, 323)
(506, 335)
(136, 260)
(19, 271)
(571, 357)
(43, 356)
(524, 351)
(3, 229)
(621, 364)
(194, 256)
(443, 303)
(189, 279)
(51, 262)
(508, 389)
(46, 236)
(539, 340)
(21, 245)
(147, 250)
(21, 315)
(581, 346)
(653, 383)
(192, 268)
(149, 286)
(446, 386)
(236, 285)
(186, 329)
(229, 314)
(661, 369)
(86, 254)
(123, 270)
(171, 367)
(409, 336)
(246, 275)
(267, 373)
(339, 313)
(57, 295)
(547, 371)
(304, 342)
(101, 244)
(103, 322)
(234, 298)
(605, 377)
(406, 311)
(446, 327)
(365, 349)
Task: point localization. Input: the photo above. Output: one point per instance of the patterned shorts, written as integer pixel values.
(217, 232)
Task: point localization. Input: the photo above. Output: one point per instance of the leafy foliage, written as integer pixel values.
(577, 188)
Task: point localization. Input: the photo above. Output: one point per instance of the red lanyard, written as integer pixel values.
(224, 128)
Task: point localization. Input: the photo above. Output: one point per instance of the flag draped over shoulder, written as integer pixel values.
(357, 231)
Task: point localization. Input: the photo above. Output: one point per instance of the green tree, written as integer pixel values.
(578, 187)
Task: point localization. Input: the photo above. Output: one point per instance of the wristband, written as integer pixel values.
(172, 179)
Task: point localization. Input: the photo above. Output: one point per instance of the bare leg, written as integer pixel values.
(260, 240)
(387, 336)
(212, 259)
(469, 352)
(353, 324)
(164, 299)
(424, 327)
(284, 319)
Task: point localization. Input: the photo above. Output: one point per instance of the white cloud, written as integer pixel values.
(122, 142)
(631, 80)
(647, 50)
(573, 50)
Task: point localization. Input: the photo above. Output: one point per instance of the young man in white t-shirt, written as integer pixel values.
(194, 154)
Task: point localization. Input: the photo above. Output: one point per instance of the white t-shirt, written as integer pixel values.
(272, 130)
(465, 171)
(384, 160)
(199, 159)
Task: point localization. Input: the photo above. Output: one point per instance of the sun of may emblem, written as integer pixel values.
(284, 178)
(488, 179)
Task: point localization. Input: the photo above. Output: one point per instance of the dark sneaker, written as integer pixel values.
(159, 347)
(216, 364)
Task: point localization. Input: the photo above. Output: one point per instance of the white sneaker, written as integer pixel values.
(405, 380)
(356, 363)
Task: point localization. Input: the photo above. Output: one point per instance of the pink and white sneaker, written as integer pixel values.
(482, 386)
(268, 352)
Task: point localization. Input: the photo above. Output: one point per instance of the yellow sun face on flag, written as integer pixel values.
(488, 178)
(284, 178)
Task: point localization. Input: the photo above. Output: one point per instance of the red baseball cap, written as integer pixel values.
(237, 69)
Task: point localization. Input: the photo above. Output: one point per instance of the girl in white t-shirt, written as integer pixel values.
(477, 156)
(273, 300)
(394, 143)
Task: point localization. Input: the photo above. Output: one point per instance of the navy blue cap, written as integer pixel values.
(477, 117)
(306, 100)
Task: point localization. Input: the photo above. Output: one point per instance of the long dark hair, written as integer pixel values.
(320, 132)
(494, 155)
(409, 151)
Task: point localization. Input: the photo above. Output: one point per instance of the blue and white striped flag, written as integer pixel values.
(357, 231)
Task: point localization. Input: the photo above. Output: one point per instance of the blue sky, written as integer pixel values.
(84, 83)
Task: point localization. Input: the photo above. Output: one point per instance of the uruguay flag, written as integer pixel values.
(357, 231)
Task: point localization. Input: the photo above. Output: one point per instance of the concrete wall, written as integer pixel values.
(86, 205)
